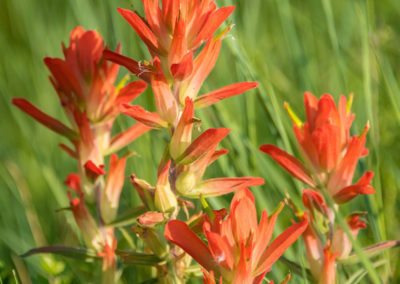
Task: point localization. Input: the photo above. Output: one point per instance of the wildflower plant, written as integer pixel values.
(179, 240)
(330, 157)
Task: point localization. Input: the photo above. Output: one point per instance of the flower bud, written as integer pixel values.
(151, 218)
(340, 241)
(186, 182)
(112, 190)
(165, 199)
(86, 223)
(153, 239)
(145, 190)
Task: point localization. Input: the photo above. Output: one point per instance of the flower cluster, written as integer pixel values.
(330, 157)
(180, 38)
(84, 83)
(184, 38)
(238, 248)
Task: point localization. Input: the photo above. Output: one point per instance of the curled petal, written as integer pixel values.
(363, 186)
(243, 215)
(311, 105)
(64, 77)
(202, 66)
(150, 119)
(179, 233)
(90, 49)
(224, 93)
(313, 199)
(73, 181)
(212, 24)
(204, 143)
(142, 29)
(220, 249)
(151, 218)
(130, 92)
(220, 186)
(289, 163)
(93, 171)
(265, 231)
(179, 43)
(183, 133)
(124, 138)
(166, 104)
(343, 175)
(181, 70)
(340, 240)
(112, 188)
(141, 71)
(279, 245)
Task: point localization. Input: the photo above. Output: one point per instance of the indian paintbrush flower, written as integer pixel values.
(84, 83)
(238, 248)
(330, 154)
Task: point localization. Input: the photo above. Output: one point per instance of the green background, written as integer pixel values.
(288, 46)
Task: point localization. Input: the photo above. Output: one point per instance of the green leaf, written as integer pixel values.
(136, 258)
(128, 217)
(370, 251)
(73, 252)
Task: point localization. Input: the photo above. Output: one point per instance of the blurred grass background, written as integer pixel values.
(288, 46)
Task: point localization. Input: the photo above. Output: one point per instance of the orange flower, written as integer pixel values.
(176, 30)
(331, 155)
(84, 83)
(173, 33)
(238, 247)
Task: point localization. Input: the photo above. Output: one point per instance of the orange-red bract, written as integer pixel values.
(330, 154)
(239, 248)
(84, 83)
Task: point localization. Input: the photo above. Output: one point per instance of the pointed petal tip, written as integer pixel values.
(289, 163)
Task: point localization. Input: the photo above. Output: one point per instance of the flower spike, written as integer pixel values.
(236, 248)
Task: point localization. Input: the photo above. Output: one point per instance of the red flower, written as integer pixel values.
(177, 29)
(84, 83)
(331, 155)
(237, 247)
(173, 33)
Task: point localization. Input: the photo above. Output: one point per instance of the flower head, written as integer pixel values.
(238, 247)
(173, 33)
(84, 83)
(330, 154)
